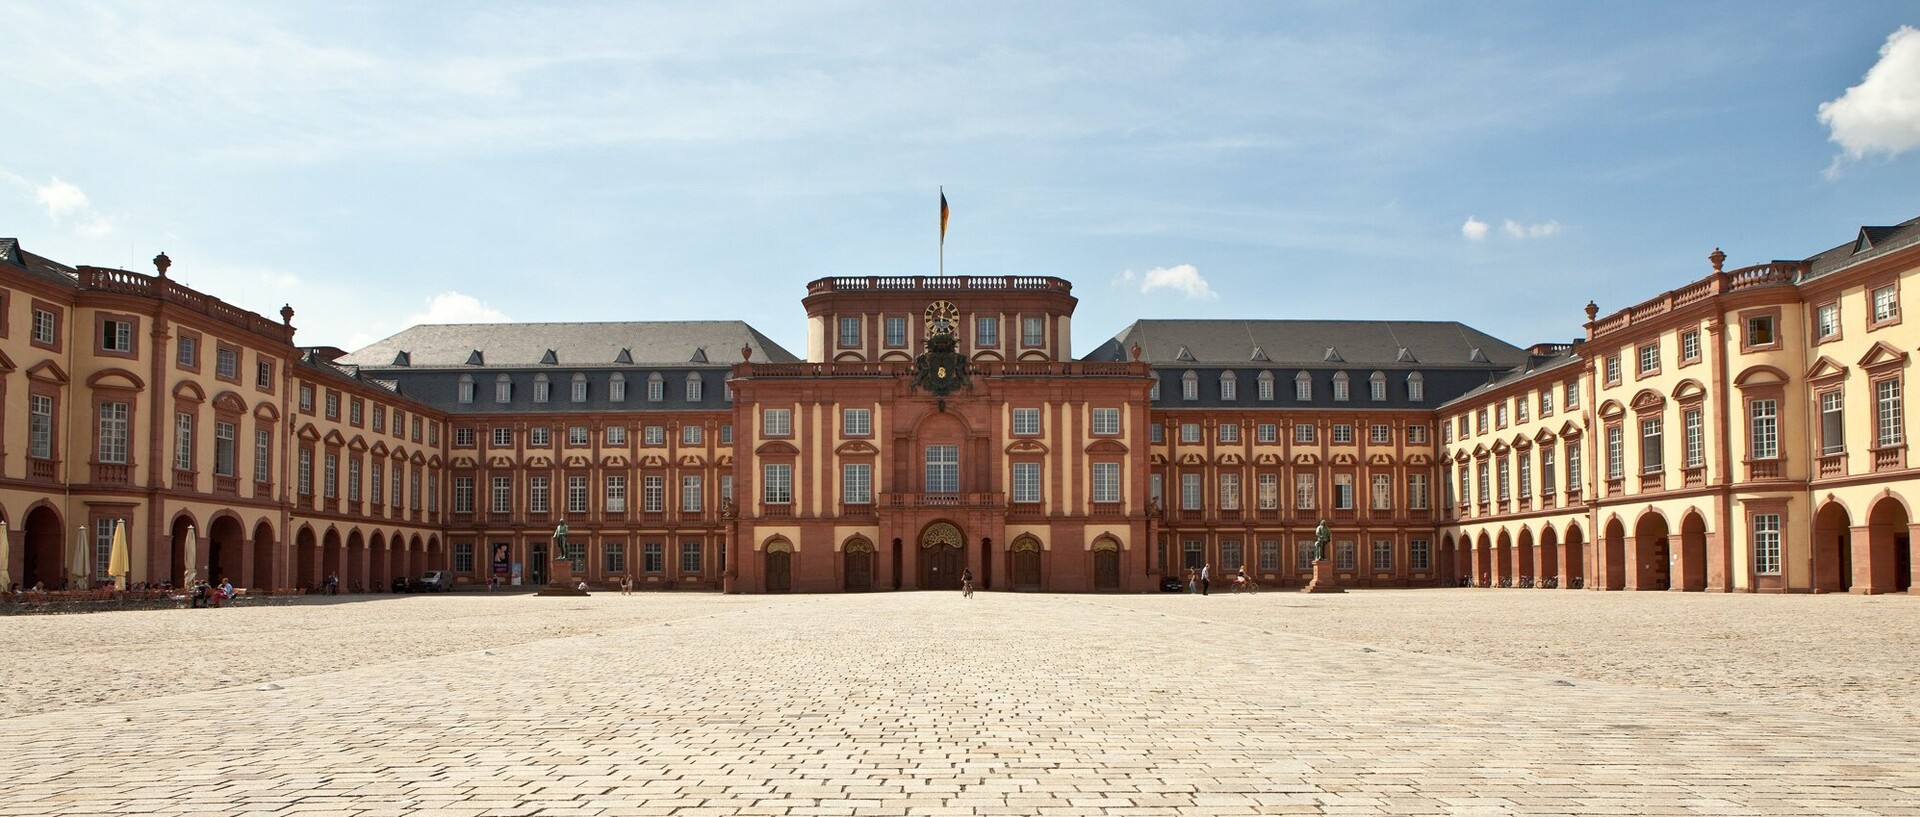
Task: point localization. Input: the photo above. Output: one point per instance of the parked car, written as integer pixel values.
(434, 581)
(402, 584)
(1172, 584)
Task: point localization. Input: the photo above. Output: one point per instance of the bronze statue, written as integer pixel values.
(1320, 536)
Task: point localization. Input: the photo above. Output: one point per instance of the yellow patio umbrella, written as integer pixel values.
(120, 560)
(192, 574)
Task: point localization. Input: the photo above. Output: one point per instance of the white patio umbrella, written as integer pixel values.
(80, 570)
(120, 558)
(6, 558)
(192, 574)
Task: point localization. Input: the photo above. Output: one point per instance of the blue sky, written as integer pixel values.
(381, 164)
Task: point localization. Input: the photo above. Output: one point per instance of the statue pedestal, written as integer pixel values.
(1323, 579)
(560, 580)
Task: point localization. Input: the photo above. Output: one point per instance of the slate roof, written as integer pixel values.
(18, 259)
(1870, 242)
(1536, 365)
(574, 345)
(1340, 344)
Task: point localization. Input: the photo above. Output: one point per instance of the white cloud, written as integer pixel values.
(456, 307)
(1515, 229)
(61, 199)
(1125, 278)
(1474, 229)
(1185, 279)
(1882, 113)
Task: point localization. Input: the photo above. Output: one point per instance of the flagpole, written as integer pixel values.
(943, 231)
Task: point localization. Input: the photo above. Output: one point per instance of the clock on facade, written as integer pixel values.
(942, 318)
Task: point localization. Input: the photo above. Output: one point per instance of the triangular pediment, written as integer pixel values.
(1260, 355)
(309, 433)
(357, 444)
(1882, 355)
(699, 355)
(474, 358)
(1826, 368)
(47, 371)
(1570, 430)
(334, 437)
(551, 358)
(6, 363)
(1184, 354)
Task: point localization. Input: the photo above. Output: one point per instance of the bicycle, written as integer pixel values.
(1248, 586)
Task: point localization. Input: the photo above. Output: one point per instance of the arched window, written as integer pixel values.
(503, 389)
(579, 388)
(1266, 385)
(466, 388)
(1190, 385)
(1340, 386)
(1303, 386)
(1378, 385)
(1229, 386)
(693, 387)
(1155, 393)
(617, 388)
(541, 388)
(1416, 387)
(656, 388)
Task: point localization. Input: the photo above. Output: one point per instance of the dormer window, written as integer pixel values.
(656, 388)
(617, 388)
(693, 387)
(579, 388)
(1229, 386)
(542, 390)
(503, 389)
(466, 395)
(1154, 393)
(1378, 386)
(1190, 385)
(1416, 387)
(1265, 385)
(1303, 386)
(1340, 386)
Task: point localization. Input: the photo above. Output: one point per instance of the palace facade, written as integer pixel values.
(1744, 432)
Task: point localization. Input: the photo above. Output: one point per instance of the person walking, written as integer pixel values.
(1193, 581)
(1206, 579)
(966, 583)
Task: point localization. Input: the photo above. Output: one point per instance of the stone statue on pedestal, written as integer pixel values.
(1320, 536)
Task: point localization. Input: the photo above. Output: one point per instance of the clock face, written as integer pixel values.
(942, 318)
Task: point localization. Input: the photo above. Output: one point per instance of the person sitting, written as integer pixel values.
(223, 593)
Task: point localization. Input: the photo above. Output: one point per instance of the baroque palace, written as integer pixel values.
(1743, 432)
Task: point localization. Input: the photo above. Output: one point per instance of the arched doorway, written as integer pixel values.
(1523, 556)
(417, 557)
(330, 556)
(1483, 561)
(1025, 567)
(1443, 561)
(1613, 571)
(943, 555)
(379, 568)
(1650, 562)
(1693, 552)
(226, 550)
(354, 578)
(779, 567)
(1503, 560)
(306, 558)
(857, 566)
(1890, 546)
(1573, 558)
(537, 561)
(1106, 564)
(177, 550)
(43, 543)
(264, 563)
(436, 560)
(1549, 564)
(1832, 549)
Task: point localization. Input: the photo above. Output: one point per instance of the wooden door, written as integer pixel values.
(940, 567)
(1026, 569)
(859, 570)
(536, 564)
(779, 571)
(1106, 570)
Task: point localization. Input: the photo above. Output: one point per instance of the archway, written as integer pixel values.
(1443, 561)
(330, 555)
(1106, 564)
(379, 563)
(779, 567)
(1549, 563)
(417, 557)
(1832, 549)
(436, 560)
(177, 550)
(264, 563)
(1573, 560)
(1693, 552)
(1613, 567)
(306, 558)
(1891, 546)
(1649, 559)
(43, 547)
(1483, 561)
(1503, 559)
(1025, 567)
(226, 549)
(857, 565)
(943, 555)
(1523, 557)
(354, 578)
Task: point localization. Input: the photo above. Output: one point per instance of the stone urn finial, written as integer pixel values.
(286, 314)
(161, 262)
(1592, 311)
(1134, 350)
(1717, 258)
(746, 352)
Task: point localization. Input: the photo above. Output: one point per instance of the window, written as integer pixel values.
(849, 333)
(1613, 369)
(1342, 433)
(1616, 452)
(1303, 386)
(986, 332)
(1189, 432)
(616, 435)
(653, 557)
(656, 388)
(1154, 392)
(539, 495)
(1419, 555)
(116, 336)
(1416, 387)
(613, 557)
(1377, 387)
(538, 437)
(1417, 492)
(463, 437)
(1343, 555)
(653, 494)
(576, 494)
(1480, 421)
(1269, 555)
(1826, 321)
(1340, 386)
(1230, 556)
(856, 483)
(1229, 386)
(1763, 430)
(1106, 421)
(1504, 467)
(333, 405)
(616, 493)
(1649, 359)
(463, 557)
(776, 422)
(1230, 492)
(1546, 471)
(1382, 554)
(1766, 544)
(579, 391)
(1650, 452)
(502, 437)
(331, 476)
(187, 351)
(1192, 497)
(896, 330)
(1303, 555)
(1382, 492)
(726, 434)
(690, 558)
(1546, 402)
(1303, 433)
(40, 427)
(1886, 305)
(1026, 421)
(183, 441)
(1485, 482)
(943, 469)
(1266, 433)
(45, 327)
(1229, 432)
(1760, 331)
(502, 389)
(691, 435)
(1500, 415)
(503, 494)
(356, 411)
(1417, 434)
(1574, 472)
(1573, 394)
(1106, 482)
(1190, 385)
(653, 436)
(1156, 489)
(1380, 433)
(262, 456)
(1520, 409)
(776, 484)
(1525, 465)
(306, 399)
(263, 375)
(1833, 426)
(542, 390)
(1268, 492)
(617, 388)
(1026, 482)
(1889, 422)
(1192, 553)
(1304, 492)
(694, 387)
(462, 493)
(113, 433)
(379, 418)
(1033, 330)
(1264, 385)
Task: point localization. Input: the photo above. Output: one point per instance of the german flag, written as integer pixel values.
(944, 212)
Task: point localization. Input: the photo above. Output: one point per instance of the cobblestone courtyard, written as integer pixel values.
(1419, 702)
